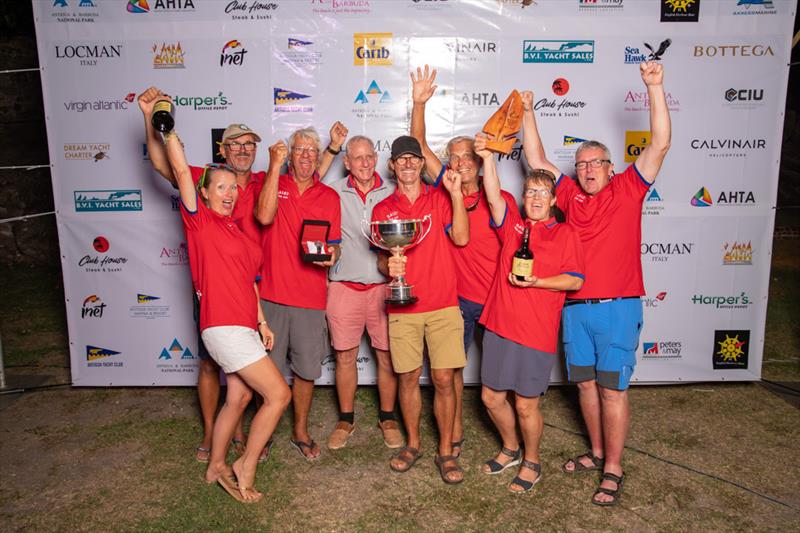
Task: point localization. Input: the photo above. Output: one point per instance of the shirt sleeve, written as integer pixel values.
(632, 183)
(571, 252)
(566, 189)
(510, 220)
(193, 220)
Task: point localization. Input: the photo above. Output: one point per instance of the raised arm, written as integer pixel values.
(491, 181)
(649, 161)
(459, 231)
(338, 135)
(267, 204)
(155, 146)
(422, 90)
(531, 141)
(173, 150)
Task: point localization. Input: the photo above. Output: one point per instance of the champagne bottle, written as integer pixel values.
(522, 264)
(163, 118)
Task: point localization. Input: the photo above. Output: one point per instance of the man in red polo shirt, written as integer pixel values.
(293, 292)
(602, 320)
(434, 319)
(476, 263)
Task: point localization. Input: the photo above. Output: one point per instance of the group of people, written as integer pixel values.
(265, 311)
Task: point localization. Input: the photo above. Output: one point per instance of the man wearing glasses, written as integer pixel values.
(434, 319)
(294, 292)
(355, 296)
(602, 320)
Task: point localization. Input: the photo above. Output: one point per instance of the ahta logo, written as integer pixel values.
(138, 6)
(702, 198)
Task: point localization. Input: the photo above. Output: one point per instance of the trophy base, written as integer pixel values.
(501, 146)
(399, 295)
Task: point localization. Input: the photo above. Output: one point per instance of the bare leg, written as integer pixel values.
(411, 406)
(616, 420)
(589, 398)
(502, 414)
(346, 379)
(208, 395)
(531, 425)
(458, 422)
(387, 381)
(236, 399)
(302, 394)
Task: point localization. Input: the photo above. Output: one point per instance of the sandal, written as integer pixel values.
(407, 457)
(444, 471)
(263, 457)
(524, 483)
(301, 446)
(496, 467)
(238, 446)
(615, 493)
(597, 463)
(202, 454)
(233, 488)
(458, 444)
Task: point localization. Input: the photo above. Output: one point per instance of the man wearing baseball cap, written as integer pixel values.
(434, 319)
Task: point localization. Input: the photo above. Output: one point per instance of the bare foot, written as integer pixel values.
(213, 473)
(245, 480)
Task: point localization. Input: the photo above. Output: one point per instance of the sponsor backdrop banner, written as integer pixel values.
(279, 65)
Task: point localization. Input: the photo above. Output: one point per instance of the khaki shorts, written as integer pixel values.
(442, 330)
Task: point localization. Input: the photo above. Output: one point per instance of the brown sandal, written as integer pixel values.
(440, 460)
(408, 457)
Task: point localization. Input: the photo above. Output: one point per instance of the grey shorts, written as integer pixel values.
(301, 339)
(507, 365)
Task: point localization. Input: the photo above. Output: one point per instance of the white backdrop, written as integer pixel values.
(278, 65)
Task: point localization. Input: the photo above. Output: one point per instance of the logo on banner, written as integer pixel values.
(737, 253)
(94, 353)
(92, 307)
(471, 49)
(744, 98)
(216, 149)
(563, 107)
(374, 92)
(732, 50)
(702, 198)
(143, 6)
(297, 44)
(369, 102)
(100, 104)
(176, 351)
(301, 52)
(634, 55)
(219, 102)
(600, 5)
(635, 142)
(654, 302)
(168, 56)
(514, 155)
(84, 12)
(148, 307)
(754, 7)
(255, 10)
(566, 152)
(640, 101)
(108, 200)
(383, 146)
(728, 147)
(104, 263)
(662, 350)
(232, 54)
(174, 256)
(86, 151)
(653, 203)
(740, 301)
(661, 252)
(176, 358)
(341, 7)
(480, 99)
(374, 49)
(88, 55)
(680, 10)
(557, 51)
(288, 101)
(518, 3)
(731, 349)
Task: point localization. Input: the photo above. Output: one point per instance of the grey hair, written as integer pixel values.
(454, 140)
(357, 139)
(588, 145)
(307, 133)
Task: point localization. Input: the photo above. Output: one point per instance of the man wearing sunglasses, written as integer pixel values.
(602, 320)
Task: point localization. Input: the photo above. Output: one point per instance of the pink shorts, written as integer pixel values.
(350, 311)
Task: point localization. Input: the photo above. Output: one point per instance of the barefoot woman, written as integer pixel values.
(232, 324)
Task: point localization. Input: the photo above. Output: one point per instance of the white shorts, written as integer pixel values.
(233, 347)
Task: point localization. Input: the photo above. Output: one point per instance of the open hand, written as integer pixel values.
(422, 86)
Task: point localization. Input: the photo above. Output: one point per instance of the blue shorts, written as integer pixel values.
(600, 341)
(471, 313)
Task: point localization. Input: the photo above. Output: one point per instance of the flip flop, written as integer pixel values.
(230, 486)
(264, 455)
(408, 456)
(202, 455)
(300, 446)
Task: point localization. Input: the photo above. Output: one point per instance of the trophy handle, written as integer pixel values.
(366, 231)
(424, 233)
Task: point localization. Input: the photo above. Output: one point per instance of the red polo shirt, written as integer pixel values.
(610, 227)
(227, 263)
(286, 279)
(531, 316)
(430, 268)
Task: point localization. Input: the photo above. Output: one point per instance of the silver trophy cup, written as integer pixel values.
(390, 235)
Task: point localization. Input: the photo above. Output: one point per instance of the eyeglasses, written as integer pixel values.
(404, 160)
(212, 166)
(248, 146)
(305, 151)
(533, 193)
(466, 156)
(594, 163)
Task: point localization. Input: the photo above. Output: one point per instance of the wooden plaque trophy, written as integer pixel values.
(504, 124)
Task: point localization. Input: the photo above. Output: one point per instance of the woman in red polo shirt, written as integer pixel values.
(232, 324)
(522, 317)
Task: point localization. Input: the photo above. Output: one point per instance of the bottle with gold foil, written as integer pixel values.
(163, 118)
(522, 264)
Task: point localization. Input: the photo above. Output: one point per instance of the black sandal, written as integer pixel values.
(495, 467)
(615, 493)
(525, 484)
(597, 463)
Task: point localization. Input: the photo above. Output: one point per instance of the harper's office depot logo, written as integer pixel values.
(108, 200)
(374, 49)
(551, 51)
